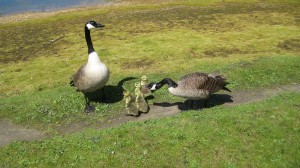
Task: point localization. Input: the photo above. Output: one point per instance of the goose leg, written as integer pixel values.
(88, 107)
(205, 103)
(103, 95)
(195, 104)
(192, 105)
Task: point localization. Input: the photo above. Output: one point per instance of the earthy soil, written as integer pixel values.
(165, 109)
(10, 132)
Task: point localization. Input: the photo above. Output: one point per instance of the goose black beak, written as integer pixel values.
(100, 25)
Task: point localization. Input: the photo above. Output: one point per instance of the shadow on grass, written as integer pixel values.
(219, 99)
(110, 93)
(214, 100)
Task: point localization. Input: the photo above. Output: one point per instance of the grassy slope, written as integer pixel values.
(264, 134)
(253, 44)
(139, 38)
(158, 40)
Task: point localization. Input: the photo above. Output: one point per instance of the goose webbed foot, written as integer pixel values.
(89, 108)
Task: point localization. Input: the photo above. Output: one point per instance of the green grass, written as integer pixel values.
(62, 105)
(264, 72)
(264, 134)
(159, 40)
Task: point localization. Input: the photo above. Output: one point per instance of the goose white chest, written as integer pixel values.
(96, 73)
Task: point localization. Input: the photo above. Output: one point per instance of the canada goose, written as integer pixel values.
(94, 74)
(194, 86)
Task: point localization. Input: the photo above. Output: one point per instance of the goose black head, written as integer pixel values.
(92, 24)
(153, 86)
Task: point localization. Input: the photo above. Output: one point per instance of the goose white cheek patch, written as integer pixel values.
(153, 87)
(89, 26)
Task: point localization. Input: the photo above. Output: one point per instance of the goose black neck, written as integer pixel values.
(89, 40)
(169, 82)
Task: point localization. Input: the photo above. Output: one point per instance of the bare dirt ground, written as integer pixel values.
(160, 110)
(10, 132)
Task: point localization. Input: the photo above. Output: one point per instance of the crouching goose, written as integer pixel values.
(194, 86)
(93, 75)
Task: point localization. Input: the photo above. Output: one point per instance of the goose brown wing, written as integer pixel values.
(203, 81)
(78, 76)
(197, 80)
(215, 83)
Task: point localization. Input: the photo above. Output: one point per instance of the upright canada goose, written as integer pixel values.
(94, 74)
(194, 86)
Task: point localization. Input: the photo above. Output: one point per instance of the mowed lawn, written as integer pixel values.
(255, 44)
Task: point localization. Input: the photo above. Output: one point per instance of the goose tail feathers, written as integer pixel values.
(222, 81)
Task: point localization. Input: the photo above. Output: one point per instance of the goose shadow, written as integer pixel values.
(213, 100)
(109, 93)
(219, 99)
(167, 104)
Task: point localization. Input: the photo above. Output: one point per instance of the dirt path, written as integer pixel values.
(160, 110)
(10, 132)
